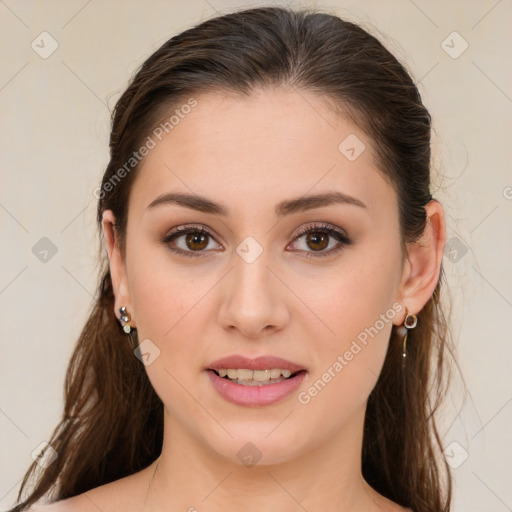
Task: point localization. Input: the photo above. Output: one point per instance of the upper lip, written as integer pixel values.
(259, 363)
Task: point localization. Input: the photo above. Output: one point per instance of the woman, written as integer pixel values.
(268, 330)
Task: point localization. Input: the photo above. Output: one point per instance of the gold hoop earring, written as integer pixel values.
(410, 322)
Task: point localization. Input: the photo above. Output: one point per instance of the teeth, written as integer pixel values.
(243, 374)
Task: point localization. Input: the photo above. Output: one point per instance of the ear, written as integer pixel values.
(117, 268)
(423, 264)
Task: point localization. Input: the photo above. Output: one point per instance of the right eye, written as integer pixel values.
(195, 240)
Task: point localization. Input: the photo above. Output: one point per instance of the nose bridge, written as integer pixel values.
(251, 276)
(254, 299)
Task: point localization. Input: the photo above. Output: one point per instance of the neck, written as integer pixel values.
(191, 476)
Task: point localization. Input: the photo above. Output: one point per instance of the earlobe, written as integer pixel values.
(424, 261)
(117, 266)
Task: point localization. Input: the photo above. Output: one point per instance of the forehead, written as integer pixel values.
(254, 151)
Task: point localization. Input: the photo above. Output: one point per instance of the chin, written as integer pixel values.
(251, 447)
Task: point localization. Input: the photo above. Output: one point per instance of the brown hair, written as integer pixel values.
(112, 424)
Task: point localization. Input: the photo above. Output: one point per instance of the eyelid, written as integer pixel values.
(319, 225)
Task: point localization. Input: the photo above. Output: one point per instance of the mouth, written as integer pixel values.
(252, 392)
(259, 381)
(246, 377)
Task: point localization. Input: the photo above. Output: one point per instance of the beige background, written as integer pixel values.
(54, 147)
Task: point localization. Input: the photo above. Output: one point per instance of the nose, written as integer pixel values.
(255, 299)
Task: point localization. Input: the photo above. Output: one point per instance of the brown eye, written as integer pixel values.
(196, 241)
(188, 240)
(317, 239)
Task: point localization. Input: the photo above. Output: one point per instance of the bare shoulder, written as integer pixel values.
(125, 494)
(75, 504)
(104, 498)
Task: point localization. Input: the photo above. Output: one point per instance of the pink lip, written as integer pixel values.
(255, 395)
(259, 363)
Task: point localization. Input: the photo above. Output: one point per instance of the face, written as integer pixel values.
(251, 284)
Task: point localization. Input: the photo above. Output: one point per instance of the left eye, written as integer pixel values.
(318, 237)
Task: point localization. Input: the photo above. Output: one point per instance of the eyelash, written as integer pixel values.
(317, 228)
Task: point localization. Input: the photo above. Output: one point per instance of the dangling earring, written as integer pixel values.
(126, 317)
(410, 322)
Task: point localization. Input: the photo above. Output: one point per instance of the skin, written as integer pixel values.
(250, 154)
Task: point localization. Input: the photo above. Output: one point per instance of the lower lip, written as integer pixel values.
(255, 395)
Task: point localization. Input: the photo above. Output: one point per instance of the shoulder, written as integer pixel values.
(68, 505)
(124, 494)
(106, 498)
(75, 504)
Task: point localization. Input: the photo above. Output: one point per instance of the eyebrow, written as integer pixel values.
(287, 207)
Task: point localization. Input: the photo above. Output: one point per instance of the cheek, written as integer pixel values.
(171, 314)
(347, 366)
(173, 309)
(357, 318)
(164, 295)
